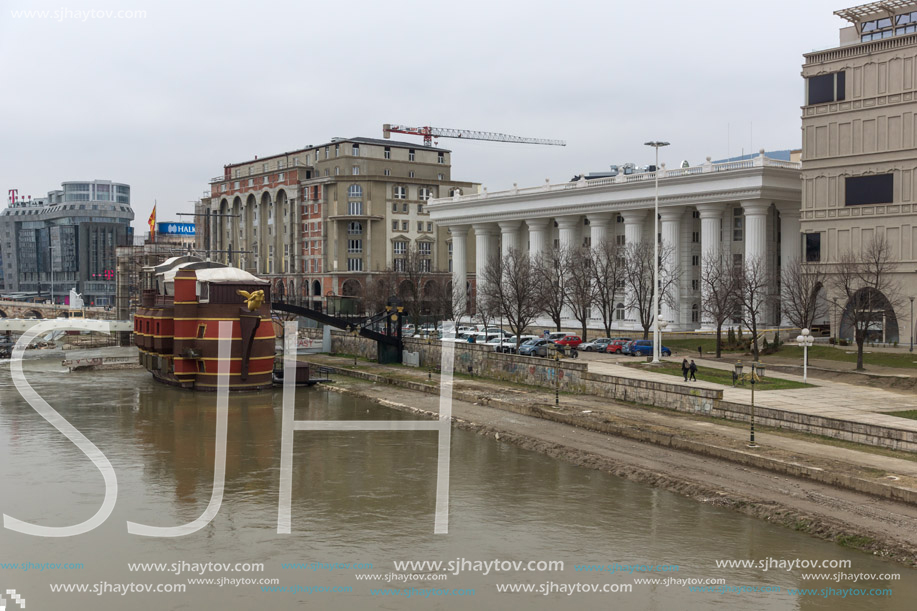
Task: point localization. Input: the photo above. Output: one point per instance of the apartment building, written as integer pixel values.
(319, 220)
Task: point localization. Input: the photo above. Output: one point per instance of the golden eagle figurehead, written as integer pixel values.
(253, 301)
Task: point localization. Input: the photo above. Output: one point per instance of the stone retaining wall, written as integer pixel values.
(573, 376)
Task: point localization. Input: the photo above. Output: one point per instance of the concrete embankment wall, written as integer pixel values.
(573, 377)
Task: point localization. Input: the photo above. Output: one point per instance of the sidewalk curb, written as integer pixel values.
(856, 484)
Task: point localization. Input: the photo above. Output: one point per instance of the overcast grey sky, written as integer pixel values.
(164, 101)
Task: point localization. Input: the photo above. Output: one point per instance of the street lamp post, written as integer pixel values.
(656, 144)
(755, 368)
(657, 347)
(911, 323)
(556, 378)
(805, 340)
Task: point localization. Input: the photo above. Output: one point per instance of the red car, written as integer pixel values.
(615, 346)
(570, 340)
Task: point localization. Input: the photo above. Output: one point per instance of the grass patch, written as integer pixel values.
(708, 345)
(830, 353)
(910, 413)
(855, 541)
(721, 376)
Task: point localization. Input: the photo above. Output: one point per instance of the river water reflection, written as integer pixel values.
(357, 498)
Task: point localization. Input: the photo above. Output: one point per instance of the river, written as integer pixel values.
(364, 498)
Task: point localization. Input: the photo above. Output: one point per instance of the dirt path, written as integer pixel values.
(858, 520)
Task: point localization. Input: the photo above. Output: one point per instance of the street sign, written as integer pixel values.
(175, 228)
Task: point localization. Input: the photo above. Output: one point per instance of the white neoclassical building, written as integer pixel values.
(749, 208)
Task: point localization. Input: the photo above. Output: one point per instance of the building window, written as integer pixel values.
(251, 182)
(404, 207)
(395, 207)
(355, 228)
(355, 150)
(355, 208)
(263, 167)
(738, 223)
(387, 153)
(400, 247)
(826, 88)
(410, 154)
(430, 227)
(419, 208)
(411, 174)
(355, 246)
(387, 172)
(337, 150)
(424, 193)
(404, 225)
(695, 260)
(399, 265)
(327, 154)
(695, 236)
(695, 285)
(619, 311)
(399, 192)
(737, 260)
(425, 248)
(394, 225)
(355, 191)
(425, 265)
(354, 265)
(873, 189)
(419, 226)
(441, 158)
(280, 177)
(337, 171)
(355, 171)
(695, 313)
(619, 240)
(449, 247)
(695, 214)
(441, 177)
(813, 247)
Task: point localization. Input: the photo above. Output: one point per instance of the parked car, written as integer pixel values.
(596, 345)
(535, 347)
(643, 347)
(616, 345)
(569, 341)
(509, 343)
(553, 337)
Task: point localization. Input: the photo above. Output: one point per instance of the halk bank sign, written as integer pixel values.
(443, 426)
(175, 229)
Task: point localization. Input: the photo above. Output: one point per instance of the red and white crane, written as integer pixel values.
(429, 133)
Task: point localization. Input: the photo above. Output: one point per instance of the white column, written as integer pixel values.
(755, 229)
(538, 235)
(509, 236)
(459, 266)
(569, 231)
(633, 234)
(485, 236)
(598, 227)
(711, 218)
(790, 242)
(671, 230)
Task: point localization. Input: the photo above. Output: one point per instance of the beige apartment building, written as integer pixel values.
(319, 220)
(859, 162)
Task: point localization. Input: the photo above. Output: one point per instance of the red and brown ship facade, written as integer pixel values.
(177, 327)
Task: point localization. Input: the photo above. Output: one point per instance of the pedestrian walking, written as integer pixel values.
(693, 369)
(684, 368)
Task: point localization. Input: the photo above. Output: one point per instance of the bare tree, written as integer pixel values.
(413, 271)
(638, 280)
(379, 288)
(718, 292)
(800, 286)
(865, 280)
(608, 271)
(552, 280)
(579, 291)
(512, 284)
(487, 301)
(753, 294)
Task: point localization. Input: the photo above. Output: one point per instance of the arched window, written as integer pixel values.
(695, 313)
(619, 311)
(355, 191)
(355, 228)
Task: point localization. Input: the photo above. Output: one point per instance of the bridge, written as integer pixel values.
(21, 309)
(19, 317)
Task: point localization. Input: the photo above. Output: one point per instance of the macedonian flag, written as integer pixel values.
(152, 223)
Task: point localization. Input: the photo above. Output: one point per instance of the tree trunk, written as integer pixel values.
(719, 341)
(646, 332)
(860, 341)
(583, 336)
(754, 339)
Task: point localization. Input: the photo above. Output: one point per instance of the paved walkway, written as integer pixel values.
(826, 398)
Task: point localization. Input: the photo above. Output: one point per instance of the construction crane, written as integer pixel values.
(429, 133)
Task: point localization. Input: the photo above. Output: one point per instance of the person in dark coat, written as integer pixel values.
(693, 370)
(684, 368)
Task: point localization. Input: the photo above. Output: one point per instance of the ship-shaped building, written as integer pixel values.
(177, 326)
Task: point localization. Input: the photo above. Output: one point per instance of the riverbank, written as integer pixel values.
(829, 489)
